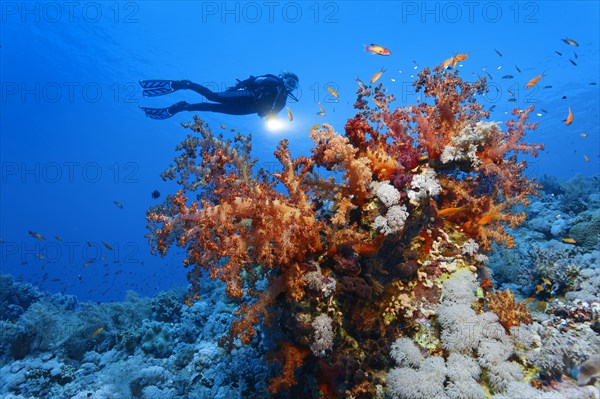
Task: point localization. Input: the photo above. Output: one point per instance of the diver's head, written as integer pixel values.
(290, 80)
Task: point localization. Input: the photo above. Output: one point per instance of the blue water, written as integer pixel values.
(73, 140)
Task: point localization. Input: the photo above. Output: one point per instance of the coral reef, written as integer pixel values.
(331, 268)
(180, 366)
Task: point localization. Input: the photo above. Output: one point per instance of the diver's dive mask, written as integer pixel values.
(290, 82)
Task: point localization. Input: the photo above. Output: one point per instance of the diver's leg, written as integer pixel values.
(153, 88)
(239, 97)
(188, 85)
(230, 109)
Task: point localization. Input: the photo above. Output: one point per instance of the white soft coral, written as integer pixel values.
(393, 221)
(396, 215)
(465, 145)
(424, 185)
(387, 194)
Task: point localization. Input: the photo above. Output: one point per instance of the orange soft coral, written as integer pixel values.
(250, 224)
(454, 107)
(510, 312)
(290, 358)
(335, 152)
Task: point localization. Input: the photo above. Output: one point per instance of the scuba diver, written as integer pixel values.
(264, 95)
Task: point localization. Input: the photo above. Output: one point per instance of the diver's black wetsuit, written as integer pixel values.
(263, 95)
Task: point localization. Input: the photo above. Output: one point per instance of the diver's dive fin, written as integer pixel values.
(165, 113)
(157, 113)
(153, 88)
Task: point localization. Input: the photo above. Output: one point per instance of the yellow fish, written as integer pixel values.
(583, 134)
(289, 112)
(380, 105)
(37, 235)
(569, 240)
(315, 127)
(376, 77)
(322, 112)
(333, 92)
(539, 288)
(98, 331)
(587, 159)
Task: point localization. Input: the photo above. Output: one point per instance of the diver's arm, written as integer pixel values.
(280, 100)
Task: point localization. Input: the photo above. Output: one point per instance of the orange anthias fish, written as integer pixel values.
(458, 58)
(446, 63)
(376, 49)
(451, 211)
(488, 217)
(333, 92)
(376, 77)
(569, 118)
(379, 104)
(455, 60)
(289, 113)
(533, 81)
(569, 240)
